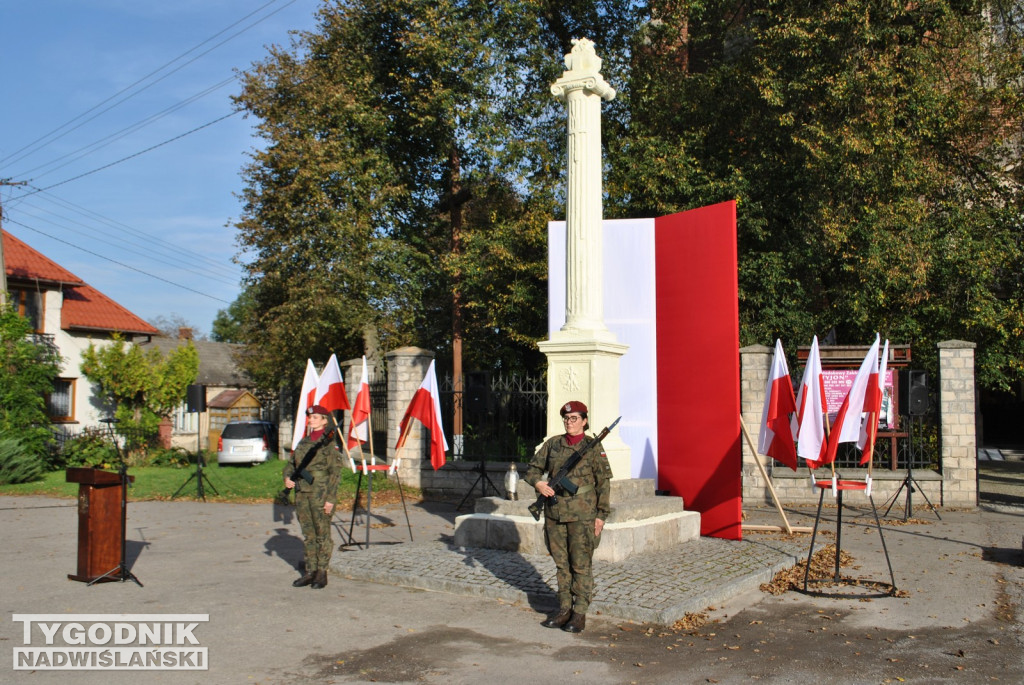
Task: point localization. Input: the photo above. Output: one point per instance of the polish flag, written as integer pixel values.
(846, 427)
(359, 427)
(776, 437)
(426, 407)
(873, 407)
(809, 422)
(306, 400)
(330, 391)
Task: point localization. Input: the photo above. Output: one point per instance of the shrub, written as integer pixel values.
(90, 449)
(172, 456)
(18, 465)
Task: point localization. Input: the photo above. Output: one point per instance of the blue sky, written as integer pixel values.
(152, 232)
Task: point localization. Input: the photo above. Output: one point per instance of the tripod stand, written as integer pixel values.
(483, 479)
(198, 475)
(908, 481)
(120, 572)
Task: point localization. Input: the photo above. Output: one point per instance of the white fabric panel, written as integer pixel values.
(630, 313)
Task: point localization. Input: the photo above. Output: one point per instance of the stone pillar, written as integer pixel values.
(755, 365)
(583, 357)
(957, 415)
(406, 368)
(352, 372)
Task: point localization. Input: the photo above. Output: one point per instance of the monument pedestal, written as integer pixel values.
(640, 522)
(588, 371)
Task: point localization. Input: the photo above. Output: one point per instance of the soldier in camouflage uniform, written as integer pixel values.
(314, 502)
(572, 527)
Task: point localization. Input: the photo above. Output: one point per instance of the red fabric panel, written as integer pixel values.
(698, 365)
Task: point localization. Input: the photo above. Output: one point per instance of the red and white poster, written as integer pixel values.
(837, 386)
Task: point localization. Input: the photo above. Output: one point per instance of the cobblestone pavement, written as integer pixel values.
(661, 587)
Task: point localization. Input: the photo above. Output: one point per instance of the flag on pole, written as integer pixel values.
(846, 427)
(809, 422)
(330, 390)
(873, 408)
(776, 437)
(306, 399)
(426, 407)
(358, 430)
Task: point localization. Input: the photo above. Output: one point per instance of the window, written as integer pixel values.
(60, 404)
(185, 421)
(29, 303)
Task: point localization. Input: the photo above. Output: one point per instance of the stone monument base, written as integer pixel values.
(640, 522)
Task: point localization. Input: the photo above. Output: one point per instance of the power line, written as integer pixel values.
(133, 156)
(150, 239)
(42, 141)
(144, 251)
(114, 261)
(118, 135)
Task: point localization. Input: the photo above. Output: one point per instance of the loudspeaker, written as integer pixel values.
(196, 398)
(913, 393)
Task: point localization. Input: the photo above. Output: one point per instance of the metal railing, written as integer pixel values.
(504, 418)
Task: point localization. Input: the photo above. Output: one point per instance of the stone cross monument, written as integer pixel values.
(583, 357)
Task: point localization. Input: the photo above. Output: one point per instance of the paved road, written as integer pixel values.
(420, 622)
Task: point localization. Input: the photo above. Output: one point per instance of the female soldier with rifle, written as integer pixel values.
(575, 509)
(314, 472)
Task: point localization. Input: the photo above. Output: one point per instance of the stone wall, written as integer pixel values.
(954, 485)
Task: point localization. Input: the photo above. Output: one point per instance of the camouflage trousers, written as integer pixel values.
(572, 545)
(316, 530)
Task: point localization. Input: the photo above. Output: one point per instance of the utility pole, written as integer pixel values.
(3, 262)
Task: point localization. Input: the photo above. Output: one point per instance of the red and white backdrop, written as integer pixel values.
(670, 293)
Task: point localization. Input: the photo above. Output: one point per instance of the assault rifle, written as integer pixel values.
(300, 470)
(560, 479)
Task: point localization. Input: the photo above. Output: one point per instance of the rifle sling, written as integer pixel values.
(310, 454)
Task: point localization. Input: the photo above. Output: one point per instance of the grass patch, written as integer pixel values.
(241, 483)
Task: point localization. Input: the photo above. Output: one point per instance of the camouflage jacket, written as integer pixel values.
(325, 467)
(592, 475)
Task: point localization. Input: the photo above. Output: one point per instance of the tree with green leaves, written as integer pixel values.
(229, 324)
(143, 387)
(28, 369)
(873, 149)
(414, 156)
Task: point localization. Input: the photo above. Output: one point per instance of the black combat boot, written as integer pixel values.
(557, 620)
(576, 624)
(307, 578)
(320, 580)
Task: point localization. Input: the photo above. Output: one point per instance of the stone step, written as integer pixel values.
(631, 500)
(640, 522)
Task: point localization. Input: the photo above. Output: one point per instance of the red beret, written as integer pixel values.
(573, 406)
(317, 409)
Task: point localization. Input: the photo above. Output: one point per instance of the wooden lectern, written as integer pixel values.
(100, 523)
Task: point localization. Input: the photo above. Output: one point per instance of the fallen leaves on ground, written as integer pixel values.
(823, 563)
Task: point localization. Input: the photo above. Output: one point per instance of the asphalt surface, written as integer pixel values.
(426, 612)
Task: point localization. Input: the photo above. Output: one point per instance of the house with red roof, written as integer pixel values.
(68, 313)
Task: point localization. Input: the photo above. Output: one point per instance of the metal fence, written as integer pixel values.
(504, 418)
(379, 413)
(913, 444)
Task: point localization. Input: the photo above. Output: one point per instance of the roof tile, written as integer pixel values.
(85, 308)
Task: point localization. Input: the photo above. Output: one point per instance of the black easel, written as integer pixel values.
(483, 479)
(908, 481)
(369, 470)
(119, 572)
(842, 485)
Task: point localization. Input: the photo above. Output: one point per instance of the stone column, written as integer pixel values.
(583, 357)
(755, 365)
(957, 416)
(582, 88)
